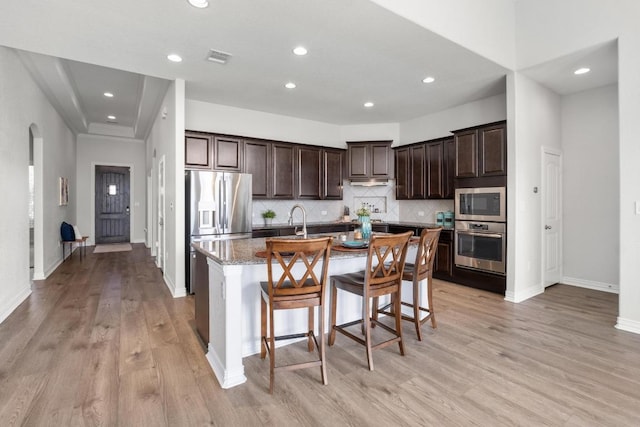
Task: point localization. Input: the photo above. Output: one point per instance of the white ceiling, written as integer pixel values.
(358, 52)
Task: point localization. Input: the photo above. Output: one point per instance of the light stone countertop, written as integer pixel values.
(242, 251)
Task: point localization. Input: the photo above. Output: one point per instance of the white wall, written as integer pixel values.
(167, 139)
(569, 26)
(110, 151)
(22, 104)
(591, 188)
(486, 27)
(577, 24)
(440, 124)
(371, 132)
(207, 117)
(533, 122)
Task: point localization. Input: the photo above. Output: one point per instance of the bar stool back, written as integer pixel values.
(383, 276)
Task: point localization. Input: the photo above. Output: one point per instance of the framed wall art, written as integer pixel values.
(64, 191)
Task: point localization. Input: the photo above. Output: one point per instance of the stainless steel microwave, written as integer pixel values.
(481, 204)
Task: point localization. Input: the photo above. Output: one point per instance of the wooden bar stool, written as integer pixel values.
(302, 288)
(383, 276)
(421, 269)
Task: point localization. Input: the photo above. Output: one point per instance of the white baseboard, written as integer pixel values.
(52, 268)
(226, 378)
(176, 293)
(628, 325)
(523, 294)
(591, 284)
(139, 241)
(39, 276)
(7, 308)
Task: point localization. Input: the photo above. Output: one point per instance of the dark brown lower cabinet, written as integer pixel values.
(201, 291)
(395, 229)
(443, 264)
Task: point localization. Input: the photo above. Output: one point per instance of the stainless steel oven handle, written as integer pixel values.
(489, 235)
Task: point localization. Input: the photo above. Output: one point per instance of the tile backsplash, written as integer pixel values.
(423, 210)
(381, 197)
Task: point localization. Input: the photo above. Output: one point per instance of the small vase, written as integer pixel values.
(267, 222)
(366, 227)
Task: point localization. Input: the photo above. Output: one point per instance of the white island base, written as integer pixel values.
(234, 309)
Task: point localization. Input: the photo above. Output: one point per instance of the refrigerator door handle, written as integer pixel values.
(220, 214)
(224, 198)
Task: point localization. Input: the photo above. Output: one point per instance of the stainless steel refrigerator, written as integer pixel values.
(218, 206)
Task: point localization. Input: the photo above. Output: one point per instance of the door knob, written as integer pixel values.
(547, 227)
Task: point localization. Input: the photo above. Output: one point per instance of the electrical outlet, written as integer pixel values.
(323, 212)
(420, 213)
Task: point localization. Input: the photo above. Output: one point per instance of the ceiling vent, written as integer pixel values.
(218, 56)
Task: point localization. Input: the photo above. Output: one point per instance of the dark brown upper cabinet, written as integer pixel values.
(417, 170)
(449, 168)
(332, 174)
(319, 173)
(425, 170)
(280, 170)
(257, 162)
(441, 163)
(227, 154)
(369, 160)
(284, 171)
(481, 151)
(493, 150)
(410, 169)
(358, 158)
(402, 173)
(435, 170)
(466, 143)
(197, 150)
(309, 173)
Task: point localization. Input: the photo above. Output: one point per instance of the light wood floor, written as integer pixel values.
(101, 342)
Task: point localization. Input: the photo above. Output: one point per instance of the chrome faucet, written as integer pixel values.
(302, 233)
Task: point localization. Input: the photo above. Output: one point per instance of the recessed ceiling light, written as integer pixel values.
(428, 80)
(368, 104)
(111, 117)
(200, 4)
(583, 70)
(108, 94)
(174, 58)
(300, 51)
(290, 85)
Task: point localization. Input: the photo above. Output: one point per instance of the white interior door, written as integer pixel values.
(551, 216)
(161, 211)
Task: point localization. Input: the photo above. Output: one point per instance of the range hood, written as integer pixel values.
(370, 183)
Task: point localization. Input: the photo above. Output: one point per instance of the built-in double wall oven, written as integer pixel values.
(481, 229)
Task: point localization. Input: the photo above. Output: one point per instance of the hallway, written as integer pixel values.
(102, 342)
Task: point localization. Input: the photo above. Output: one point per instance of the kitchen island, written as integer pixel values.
(234, 279)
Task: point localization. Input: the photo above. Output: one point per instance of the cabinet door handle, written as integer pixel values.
(547, 227)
